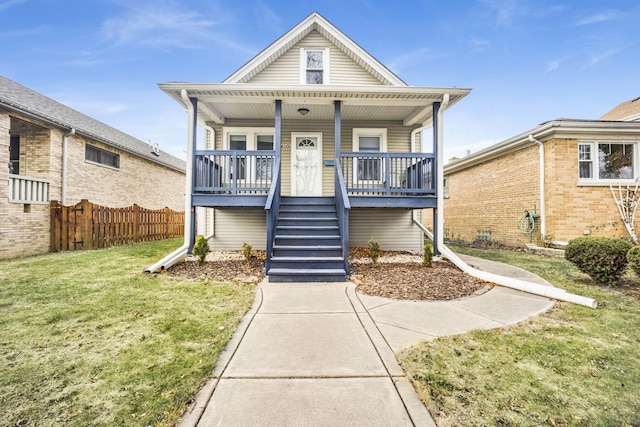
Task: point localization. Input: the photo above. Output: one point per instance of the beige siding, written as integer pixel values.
(233, 227)
(343, 70)
(393, 228)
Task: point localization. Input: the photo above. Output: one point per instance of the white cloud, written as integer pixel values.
(410, 59)
(506, 10)
(597, 18)
(479, 44)
(552, 66)
(10, 3)
(603, 55)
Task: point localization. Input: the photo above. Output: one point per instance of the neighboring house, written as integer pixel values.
(53, 152)
(560, 171)
(311, 147)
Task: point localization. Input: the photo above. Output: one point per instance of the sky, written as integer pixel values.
(527, 61)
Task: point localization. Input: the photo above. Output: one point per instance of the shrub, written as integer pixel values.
(633, 257)
(427, 255)
(246, 251)
(604, 259)
(200, 249)
(374, 249)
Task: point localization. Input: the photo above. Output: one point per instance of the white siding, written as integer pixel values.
(393, 228)
(286, 69)
(233, 227)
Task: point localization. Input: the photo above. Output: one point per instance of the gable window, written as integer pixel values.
(369, 166)
(606, 161)
(314, 66)
(102, 157)
(14, 154)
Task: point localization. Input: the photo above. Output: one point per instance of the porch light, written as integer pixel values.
(303, 111)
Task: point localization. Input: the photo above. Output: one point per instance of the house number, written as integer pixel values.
(285, 145)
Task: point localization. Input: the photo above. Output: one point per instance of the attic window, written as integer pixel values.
(315, 66)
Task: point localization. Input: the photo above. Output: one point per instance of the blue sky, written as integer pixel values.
(527, 61)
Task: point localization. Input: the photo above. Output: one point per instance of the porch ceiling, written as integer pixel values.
(221, 102)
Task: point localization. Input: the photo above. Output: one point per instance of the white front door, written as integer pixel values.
(306, 164)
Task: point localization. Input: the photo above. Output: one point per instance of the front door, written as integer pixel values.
(306, 164)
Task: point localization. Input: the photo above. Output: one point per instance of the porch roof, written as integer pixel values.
(220, 102)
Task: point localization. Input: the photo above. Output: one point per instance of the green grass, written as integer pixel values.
(87, 338)
(571, 366)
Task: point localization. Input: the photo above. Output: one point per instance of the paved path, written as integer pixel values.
(323, 355)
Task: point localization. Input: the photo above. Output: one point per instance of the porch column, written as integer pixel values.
(436, 219)
(277, 143)
(337, 128)
(190, 210)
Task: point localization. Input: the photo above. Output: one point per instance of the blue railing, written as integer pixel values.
(233, 171)
(389, 174)
(272, 206)
(343, 207)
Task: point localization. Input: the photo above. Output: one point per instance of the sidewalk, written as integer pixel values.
(323, 355)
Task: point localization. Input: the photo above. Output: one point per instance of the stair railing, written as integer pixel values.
(272, 206)
(343, 207)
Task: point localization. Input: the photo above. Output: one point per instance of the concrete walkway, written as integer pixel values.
(323, 355)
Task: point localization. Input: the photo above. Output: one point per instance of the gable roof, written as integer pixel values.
(628, 111)
(22, 99)
(315, 22)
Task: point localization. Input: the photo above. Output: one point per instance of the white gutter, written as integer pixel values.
(440, 171)
(543, 218)
(509, 282)
(181, 252)
(63, 195)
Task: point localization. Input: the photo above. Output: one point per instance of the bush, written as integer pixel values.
(604, 259)
(200, 249)
(374, 249)
(633, 257)
(246, 251)
(427, 255)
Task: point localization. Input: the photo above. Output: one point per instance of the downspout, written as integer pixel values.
(543, 217)
(63, 195)
(439, 226)
(181, 252)
(211, 146)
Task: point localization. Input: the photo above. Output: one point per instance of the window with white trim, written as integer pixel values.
(369, 167)
(606, 161)
(314, 66)
(250, 139)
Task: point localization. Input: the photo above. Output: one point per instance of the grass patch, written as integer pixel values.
(571, 366)
(87, 338)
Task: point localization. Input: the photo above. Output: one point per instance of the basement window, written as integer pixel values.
(101, 157)
(483, 235)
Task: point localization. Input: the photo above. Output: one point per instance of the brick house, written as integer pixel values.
(56, 153)
(311, 147)
(560, 171)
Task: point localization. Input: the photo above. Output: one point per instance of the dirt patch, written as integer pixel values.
(396, 275)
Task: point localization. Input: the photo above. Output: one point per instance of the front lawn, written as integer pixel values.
(571, 366)
(87, 338)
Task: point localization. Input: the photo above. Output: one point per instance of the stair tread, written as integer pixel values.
(292, 271)
(306, 258)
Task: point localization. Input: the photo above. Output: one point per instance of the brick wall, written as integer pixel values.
(24, 229)
(492, 196)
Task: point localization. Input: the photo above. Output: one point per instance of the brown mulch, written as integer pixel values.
(396, 275)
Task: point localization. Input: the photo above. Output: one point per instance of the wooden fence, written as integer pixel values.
(89, 226)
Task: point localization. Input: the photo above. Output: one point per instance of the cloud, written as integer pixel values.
(552, 66)
(603, 55)
(506, 10)
(10, 3)
(410, 59)
(479, 45)
(598, 17)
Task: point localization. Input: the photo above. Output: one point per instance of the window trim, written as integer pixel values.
(360, 132)
(101, 150)
(595, 169)
(13, 136)
(326, 61)
(252, 134)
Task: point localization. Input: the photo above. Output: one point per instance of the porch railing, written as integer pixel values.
(343, 207)
(272, 206)
(233, 171)
(389, 174)
(28, 190)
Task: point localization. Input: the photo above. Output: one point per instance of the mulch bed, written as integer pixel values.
(396, 275)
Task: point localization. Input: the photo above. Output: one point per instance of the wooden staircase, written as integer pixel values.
(307, 243)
